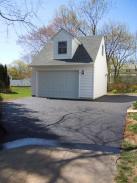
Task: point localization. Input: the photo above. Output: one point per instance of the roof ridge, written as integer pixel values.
(94, 36)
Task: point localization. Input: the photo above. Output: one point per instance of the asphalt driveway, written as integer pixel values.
(83, 124)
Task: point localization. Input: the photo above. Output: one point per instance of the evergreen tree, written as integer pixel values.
(4, 78)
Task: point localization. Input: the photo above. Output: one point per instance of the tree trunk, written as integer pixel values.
(94, 30)
(116, 74)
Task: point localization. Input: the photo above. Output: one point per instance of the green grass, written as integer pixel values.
(17, 92)
(135, 179)
(127, 145)
(133, 116)
(133, 128)
(125, 167)
(135, 105)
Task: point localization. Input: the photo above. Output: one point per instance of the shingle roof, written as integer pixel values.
(85, 53)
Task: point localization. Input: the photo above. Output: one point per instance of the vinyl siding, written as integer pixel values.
(71, 45)
(74, 46)
(86, 83)
(33, 82)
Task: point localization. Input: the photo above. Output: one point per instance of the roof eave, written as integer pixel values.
(70, 64)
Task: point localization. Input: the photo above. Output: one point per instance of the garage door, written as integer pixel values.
(58, 84)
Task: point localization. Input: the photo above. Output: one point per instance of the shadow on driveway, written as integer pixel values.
(20, 124)
(36, 164)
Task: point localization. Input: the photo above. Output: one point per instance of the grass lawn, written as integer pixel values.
(17, 92)
(127, 164)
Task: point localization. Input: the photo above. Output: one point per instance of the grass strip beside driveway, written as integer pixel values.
(127, 164)
(17, 92)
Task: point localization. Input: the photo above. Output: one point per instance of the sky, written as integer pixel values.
(124, 11)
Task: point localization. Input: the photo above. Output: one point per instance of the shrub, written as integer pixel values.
(134, 87)
(114, 91)
(122, 88)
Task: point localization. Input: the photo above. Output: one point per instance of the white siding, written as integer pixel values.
(85, 81)
(100, 73)
(33, 82)
(72, 45)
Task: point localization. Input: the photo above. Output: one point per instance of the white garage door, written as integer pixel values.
(58, 84)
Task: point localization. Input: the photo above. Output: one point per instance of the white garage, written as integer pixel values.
(58, 84)
(70, 67)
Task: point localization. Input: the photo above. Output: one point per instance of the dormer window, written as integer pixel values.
(62, 47)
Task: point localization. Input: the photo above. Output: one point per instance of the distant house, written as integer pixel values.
(70, 67)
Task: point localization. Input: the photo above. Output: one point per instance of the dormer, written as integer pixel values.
(64, 45)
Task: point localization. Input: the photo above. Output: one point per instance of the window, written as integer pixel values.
(102, 50)
(62, 47)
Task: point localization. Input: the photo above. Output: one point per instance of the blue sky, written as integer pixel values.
(122, 11)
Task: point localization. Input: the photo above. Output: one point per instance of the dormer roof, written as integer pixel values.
(63, 30)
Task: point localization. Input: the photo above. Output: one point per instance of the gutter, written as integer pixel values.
(74, 64)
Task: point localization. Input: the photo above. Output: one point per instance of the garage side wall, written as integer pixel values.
(85, 85)
(86, 82)
(100, 73)
(33, 82)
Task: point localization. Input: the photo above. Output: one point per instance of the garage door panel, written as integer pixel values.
(58, 84)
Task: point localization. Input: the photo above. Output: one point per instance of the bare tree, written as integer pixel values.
(67, 18)
(35, 40)
(17, 12)
(120, 47)
(64, 18)
(93, 11)
(79, 19)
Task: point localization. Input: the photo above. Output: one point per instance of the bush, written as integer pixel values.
(114, 91)
(122, 88)
(134, 87)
